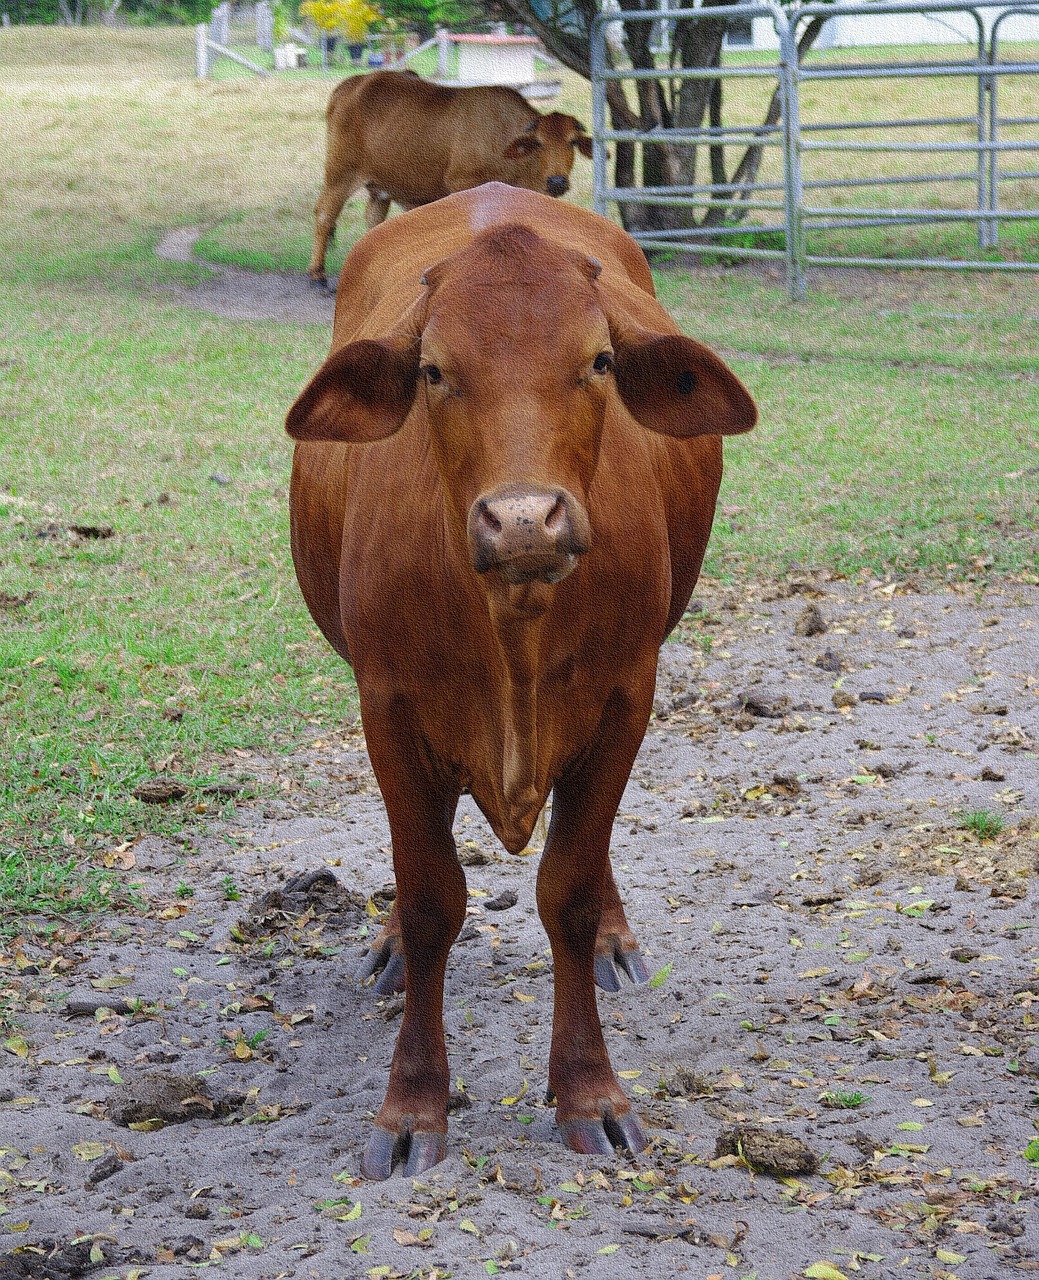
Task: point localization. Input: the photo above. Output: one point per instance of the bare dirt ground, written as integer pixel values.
(237, 294)
(836, 1060)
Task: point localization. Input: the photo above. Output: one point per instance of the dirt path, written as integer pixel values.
(237, 294)
(839, 959)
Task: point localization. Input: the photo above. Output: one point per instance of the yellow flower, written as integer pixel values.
(350, 18)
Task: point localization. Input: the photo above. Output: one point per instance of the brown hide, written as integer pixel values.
(412, 142)
(502, 490)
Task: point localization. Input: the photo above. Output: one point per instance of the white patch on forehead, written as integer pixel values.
(491, 206)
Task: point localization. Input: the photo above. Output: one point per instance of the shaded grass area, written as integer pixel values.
(898, 434)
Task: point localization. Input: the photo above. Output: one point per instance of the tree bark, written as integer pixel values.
(564, 27)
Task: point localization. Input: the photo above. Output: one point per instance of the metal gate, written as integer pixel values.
(784, 215)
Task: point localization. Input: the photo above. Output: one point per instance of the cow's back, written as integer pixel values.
(406, 136)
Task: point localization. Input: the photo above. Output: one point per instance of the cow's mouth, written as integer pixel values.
(521, 571)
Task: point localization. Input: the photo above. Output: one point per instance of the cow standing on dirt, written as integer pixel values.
(413, 142)
(503, 485)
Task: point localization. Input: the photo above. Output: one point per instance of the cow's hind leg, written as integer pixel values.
(378, 206)
(616, 948)
(592, 1112)
(615, 945)
(411, 1127)
(385, 957)
(337, 190)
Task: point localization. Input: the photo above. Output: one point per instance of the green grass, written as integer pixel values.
(898, 433)
(983, 823)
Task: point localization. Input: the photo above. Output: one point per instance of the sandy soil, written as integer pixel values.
(845, 994)
(835, 1059)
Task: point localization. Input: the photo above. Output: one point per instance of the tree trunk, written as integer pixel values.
(662, 104)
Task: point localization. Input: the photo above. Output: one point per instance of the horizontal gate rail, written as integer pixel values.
(979, 26)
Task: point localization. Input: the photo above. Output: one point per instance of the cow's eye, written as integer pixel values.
(433, 374)
(603, 362)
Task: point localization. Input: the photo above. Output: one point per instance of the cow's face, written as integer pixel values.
(544, 153)
(513, 361)
(516, 400)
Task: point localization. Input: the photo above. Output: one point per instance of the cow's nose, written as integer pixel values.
(528, 534)
(558, 185)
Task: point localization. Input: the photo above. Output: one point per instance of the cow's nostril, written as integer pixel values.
(557, 515)
(557, 186)
(488, 519)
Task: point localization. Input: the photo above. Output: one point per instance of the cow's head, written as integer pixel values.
(545, 152)
(514, 357)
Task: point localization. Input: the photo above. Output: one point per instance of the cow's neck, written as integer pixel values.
(518, 616)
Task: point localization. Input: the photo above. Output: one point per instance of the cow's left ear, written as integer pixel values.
(680, 388)
(584, 145)
(363, 392)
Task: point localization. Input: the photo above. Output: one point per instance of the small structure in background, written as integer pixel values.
(496, 58)
(289, 56)
(463, 61)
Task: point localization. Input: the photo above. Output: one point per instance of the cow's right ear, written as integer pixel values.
(362, 392)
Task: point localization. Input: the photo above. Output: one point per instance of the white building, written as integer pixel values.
(848, 31)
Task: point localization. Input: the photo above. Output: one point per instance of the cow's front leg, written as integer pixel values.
(411, 1127)
(592, 1112)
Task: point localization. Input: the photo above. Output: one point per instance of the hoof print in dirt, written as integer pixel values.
(764, 706)
(685, 1083)
(766, 1150)
(810, 622)
(165, 1097)
(105, 1168)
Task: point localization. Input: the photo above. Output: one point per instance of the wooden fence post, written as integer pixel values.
(201, 52)
(220, 23)
(265, 26)
(443, 40)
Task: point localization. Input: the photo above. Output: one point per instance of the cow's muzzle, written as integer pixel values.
(528, 534)
(557, 186)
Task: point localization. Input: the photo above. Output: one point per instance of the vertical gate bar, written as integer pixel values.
(992, 237)
(598, 66)
(982, 131)
(793, 193)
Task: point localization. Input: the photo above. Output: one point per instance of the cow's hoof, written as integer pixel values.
(388, 963)
(631, 963)
(601, 1137)
(419, 1151)
(319, 282)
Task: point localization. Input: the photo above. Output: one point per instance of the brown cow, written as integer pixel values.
(503, 486)
(413, 142)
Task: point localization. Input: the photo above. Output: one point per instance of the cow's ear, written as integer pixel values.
(361, 393)
(584, 145)
(522, 146)
(680, 388)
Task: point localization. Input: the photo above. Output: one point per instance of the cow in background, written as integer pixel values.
(412, 142)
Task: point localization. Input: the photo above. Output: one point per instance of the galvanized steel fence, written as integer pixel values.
(791, 206)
